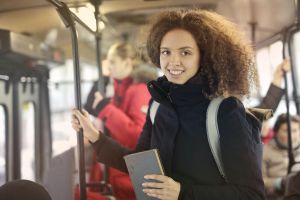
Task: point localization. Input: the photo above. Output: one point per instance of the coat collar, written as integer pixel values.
(164, 91)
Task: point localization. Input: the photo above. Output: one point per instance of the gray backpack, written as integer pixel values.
(211, 127)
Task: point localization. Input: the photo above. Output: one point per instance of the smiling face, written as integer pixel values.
(179, 56)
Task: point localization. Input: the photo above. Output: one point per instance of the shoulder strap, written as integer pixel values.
(153, 109)
(213, 135)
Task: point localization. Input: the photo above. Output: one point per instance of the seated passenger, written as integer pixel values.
(275, 156)
(23, 190)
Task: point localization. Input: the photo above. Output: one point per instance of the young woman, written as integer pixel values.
(124, 114)
(202, 56)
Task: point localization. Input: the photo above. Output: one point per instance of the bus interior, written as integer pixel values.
(38, 85)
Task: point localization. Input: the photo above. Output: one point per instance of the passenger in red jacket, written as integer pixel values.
(124, 114)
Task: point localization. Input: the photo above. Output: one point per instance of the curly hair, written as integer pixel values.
(226, 57)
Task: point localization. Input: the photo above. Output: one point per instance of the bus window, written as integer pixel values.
(263, 66)
(27, 142)
(276, 54)
(2, 145)
(267, 59)
(62, 101)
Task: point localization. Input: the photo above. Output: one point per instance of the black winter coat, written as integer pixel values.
(179, 133)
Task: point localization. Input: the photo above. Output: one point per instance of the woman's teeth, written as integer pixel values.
(176, 72)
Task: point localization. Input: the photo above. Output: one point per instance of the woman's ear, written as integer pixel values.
(129, 62)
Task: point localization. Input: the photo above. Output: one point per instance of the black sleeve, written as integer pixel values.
(272, 98)
(241, 152)
(111, 153)
(90, 99)
(100, 106)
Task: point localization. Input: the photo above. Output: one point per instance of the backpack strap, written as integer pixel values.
(153, 109)
(213, 135)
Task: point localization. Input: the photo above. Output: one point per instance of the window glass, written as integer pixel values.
(3, 130)
(276, 59)
(62, 101)
(264, 69)
(275, 54)
(267, 59)
(62, 88)
(27, 142)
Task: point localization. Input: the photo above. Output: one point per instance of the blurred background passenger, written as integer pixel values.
(275, 156)
(124, 114)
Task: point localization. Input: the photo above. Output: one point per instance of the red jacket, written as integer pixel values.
(124, 116)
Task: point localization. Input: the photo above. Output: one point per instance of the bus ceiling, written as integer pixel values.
(126, 19)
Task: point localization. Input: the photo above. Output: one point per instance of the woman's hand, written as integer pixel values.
(282, 68)
(97, 98)
(82, 120)
(164, 188)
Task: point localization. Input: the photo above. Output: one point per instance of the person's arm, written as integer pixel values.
(109, 151)
(272, 98)
(241, 157)
(125, 127)
(275, 91)
(88, 106)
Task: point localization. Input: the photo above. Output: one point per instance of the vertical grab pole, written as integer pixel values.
(67, 18)
(100, 82)
(290, 145)
(105, 189)
(98, 38)
(80, 140)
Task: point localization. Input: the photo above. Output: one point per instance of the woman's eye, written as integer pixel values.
(164, 52)
(185, 53)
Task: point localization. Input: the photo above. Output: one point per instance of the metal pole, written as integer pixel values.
(297, 2)
(80, 140)
(106, 189)
(68, 20)
(290, 145)
(98, 36)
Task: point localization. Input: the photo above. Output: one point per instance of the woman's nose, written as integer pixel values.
(175, 60)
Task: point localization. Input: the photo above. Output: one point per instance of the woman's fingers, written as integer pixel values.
(78, 115)
(81, 120)
(155, 193)
(85, 113)
(153, 185)
(161, 187)
(157, 177)
(286, 65)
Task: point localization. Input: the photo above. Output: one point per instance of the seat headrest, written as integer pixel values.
(23, 189)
